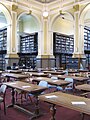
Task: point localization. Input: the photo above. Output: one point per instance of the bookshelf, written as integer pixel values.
(87, 45)
(63, 43)
(28, 50)
(3, 47)
(63, 47)
(86, 39)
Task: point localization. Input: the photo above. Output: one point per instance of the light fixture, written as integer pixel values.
(45, 13)
(29, 12)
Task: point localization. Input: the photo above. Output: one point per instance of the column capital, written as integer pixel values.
(14, 7)
(76, 8)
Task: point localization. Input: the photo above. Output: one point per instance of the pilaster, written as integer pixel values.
(11, 56)
(45, 56)
(78, 36)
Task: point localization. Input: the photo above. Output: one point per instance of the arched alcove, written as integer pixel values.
(62, 27)
(87, 18)
(28, 23)
(28, 28)
(63, 22)
(6, 13)
(5, 23)
(85, 33)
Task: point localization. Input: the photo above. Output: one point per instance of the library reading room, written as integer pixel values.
(44, 59)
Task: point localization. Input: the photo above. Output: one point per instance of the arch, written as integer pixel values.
(56, 16)
(33, 15)
(83, 12)
(6, 13)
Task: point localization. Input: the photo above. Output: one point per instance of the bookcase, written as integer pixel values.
(28, 50)
(63, 47)
(3, 47)
(86, 39)
(63, 43)
(87, 45)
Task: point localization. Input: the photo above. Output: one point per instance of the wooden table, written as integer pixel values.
(85, 70)
(80, 79)
(84, 87)
(15, 76)
(72, 71)
(75, 79)
(29, 88)
(73, 102)
(55, 72)
(61, 83)
(14, 71)
(37, 74)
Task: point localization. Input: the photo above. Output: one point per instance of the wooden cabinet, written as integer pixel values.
(63, 47)
(87, 45)
(28, 50)
(63, 43)
(86, 39)
(3, 47)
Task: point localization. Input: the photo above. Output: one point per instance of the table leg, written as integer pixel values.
(37, 106)
(82, 116)
(13, 99)
(36, 113)
(8, 78)
(53, 112)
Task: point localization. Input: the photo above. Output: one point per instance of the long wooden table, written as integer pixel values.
(15, 71)
(55, 72)
(29, 88)
(75, 79)
(15, 76)
(37, 74)
(73, 102)
(84, 87)
(58, 82)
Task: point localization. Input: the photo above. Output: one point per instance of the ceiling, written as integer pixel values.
(47, 1)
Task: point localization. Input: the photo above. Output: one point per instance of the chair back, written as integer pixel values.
(66, 71)
(54, 78)
(69, 79)
(43, 83)
(3, 89)
(2, 96)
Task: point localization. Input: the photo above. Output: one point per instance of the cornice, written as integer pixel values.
(52, 7)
